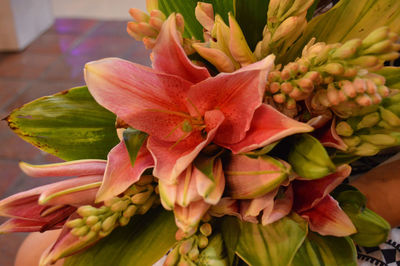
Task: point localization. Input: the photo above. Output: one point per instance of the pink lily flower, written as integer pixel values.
(313, 202)
(328, 137)
(51, 206)
(183, 108)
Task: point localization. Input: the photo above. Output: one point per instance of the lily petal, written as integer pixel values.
(20, 225)
(327, 218)
(120, 174)
(329, 137)
(282, 207)
(248, 178)
(169, 57)
(167, 194)
(237, 95)
(187, 218)
(147, 100)
(211, 190)
(309, 193)
(186, 188)
(171, 159)
(250, 209)
(72, 168)
(268, 126)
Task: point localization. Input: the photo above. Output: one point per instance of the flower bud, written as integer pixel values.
(389, 56)
(96, 227)
(147, 205)
(91, 220)
(206, 229)
(379, 48)
(366, 149)
(186, 246)
(389, 117)
(130, 211)
(172, 257)
(335, 69)
(347, 50)
(380, 139)
(119, 206)
(141, 197)
(123, 221)
(194, 253)
(352, 141)
(87, 210)
(344, 129)
(285, 28)
(369, 120)
(376, 36)
(365, 61)
(279, 98)
(109, 223)
(348, 88)
(138, 15)
(333, 95)
(203, 241)
(80, 231)
(274, 87)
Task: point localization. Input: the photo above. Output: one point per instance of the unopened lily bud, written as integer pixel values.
(109, 223)
(344, 129)
(383, 91)
(130, 211)
(141, 197)
(138, 15)
(91, 220)
(119, 206)
(96, 227)
(279, 98)
(147, 205)
(75, 223)
(369, 120)
(274, 87)
(366, 149)
(80, 231)
(87, 210)
(365, 61)
(194, 253)
(347, 50)
(186, 246)
(203, 241)
(364, 100)
(285, 28)
(206, 229)
(380, 139)
(172, 257)
(389, 56)
(389, 117)
(376, 36)
(333, 69)
(352, 141)
(379, 48)
(123, 221)
(286, 87)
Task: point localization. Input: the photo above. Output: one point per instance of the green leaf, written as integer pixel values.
(326, 250)
(347, 20)
(70, 125)
(372, 229)
(252, 18)
(142, 242)
(262, 151)
(187, 7)
(392, 76)
(275, 244)
(134, 140)
(230, 229)
(309, 158)
(344, 158)
(311, 10)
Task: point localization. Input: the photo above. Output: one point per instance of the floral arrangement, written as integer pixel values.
(230, 150)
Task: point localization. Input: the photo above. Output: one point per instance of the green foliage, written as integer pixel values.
(309, 158)
(134, 140)
(187, 7)
(349, 19)
(320, 250)
(70, 125)
(252, 17)
(142, 242)
(274, 244)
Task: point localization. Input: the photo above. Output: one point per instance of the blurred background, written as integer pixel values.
(44, 45)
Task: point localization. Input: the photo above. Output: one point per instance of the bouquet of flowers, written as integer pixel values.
(230, 150)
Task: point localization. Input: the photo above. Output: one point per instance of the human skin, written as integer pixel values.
(381, 186)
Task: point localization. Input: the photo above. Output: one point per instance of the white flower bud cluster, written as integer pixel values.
(98, 222)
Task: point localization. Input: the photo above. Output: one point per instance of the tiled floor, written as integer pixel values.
(53, 63)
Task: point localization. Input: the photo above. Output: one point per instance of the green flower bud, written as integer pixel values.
(344, 129)
(130, 211)
(109, 222)
(384, 125)
(380, 139)
(203, 241)
(206, 229)
(369, 120)
(194, 253)
(91, 220)
(379, 48)
(389, 117)
(96, 227)
(376, 36)
(80, 231)
(112, 201)
(141, 197)
(366, 149)
(119, 206)
(352, 141)
(365, 61)
(348, 49)
(147, 205)
(87, 210)
(89, 236)
(75, 223)
(389, 56)
(123, 221)
(335, 69)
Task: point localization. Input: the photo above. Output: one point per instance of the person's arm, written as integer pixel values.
(381, 186)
